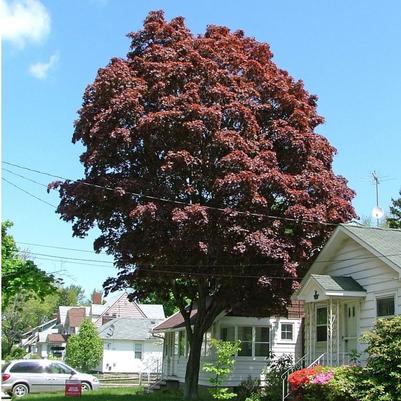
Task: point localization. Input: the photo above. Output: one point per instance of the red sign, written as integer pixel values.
(73, 388)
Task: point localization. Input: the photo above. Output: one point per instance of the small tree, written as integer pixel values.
(383, 378)
(84, 350)
(225, 359)
(394, 221)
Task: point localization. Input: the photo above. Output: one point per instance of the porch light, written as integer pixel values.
(316, 295)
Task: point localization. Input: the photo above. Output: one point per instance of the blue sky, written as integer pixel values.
(347, 52)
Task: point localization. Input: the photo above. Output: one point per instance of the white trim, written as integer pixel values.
(386, 295)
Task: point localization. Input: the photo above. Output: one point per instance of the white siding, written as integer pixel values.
(119, 356)
(371, 273)
(244, 366)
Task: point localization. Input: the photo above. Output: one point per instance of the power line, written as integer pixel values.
(70, 258)
(199, 266)
(24, 177)
(29, 193)
(181, 203)
(56, 247)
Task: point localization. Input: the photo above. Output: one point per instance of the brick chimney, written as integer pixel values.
(96, 297)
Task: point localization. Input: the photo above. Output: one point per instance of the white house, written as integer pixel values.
(129, 346)
(259, 337)
(355, 280)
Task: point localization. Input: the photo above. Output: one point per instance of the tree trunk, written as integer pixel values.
(193, 366)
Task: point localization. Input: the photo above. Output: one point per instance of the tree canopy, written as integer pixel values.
(190, 143)
(21, 275)
(394, 221)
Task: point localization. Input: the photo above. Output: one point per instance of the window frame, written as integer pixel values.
(182, 342)
(292, 325)
(322, 324)
(253, 341)
(385, 297)
(135, 351)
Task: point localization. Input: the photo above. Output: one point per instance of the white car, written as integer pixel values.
(21, 377)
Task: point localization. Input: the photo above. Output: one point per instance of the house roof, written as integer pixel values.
(385, 241)
(63, 310)
(127, 329)
(56, 338)
(175, 321)
(75, 316)
(153, 311)
(339, 283)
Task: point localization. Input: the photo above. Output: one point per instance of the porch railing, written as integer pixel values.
(299, 364)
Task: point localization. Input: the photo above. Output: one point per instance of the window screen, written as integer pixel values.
(385, 306)
(321, 324)
(245, 336)
(261, 341)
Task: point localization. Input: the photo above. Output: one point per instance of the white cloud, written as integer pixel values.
(23, 21)
(40, 70)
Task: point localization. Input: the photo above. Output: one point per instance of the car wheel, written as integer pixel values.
(85, 386)
(20, 390)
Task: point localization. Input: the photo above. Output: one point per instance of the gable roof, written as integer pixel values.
(339, 283)
(153, 311)
(75, 316)
(56, 338)
(127, 329)
(123, 308)
(175, 321)
(383, 243)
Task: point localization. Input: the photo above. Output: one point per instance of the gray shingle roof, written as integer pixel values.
(128, 329)
(385, 241)
(340, 283)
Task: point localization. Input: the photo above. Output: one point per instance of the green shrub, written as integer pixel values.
(247, 389)
(273, 372)
(383, 381)
(222, 367)
(15, 353)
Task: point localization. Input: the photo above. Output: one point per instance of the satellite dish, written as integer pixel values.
(377, 212)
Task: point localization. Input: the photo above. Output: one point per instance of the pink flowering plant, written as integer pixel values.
(323, 377)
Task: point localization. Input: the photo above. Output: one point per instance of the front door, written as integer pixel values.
(350, 327)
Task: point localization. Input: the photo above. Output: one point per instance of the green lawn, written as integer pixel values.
(114, 394)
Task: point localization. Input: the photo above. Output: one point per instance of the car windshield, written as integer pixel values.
(4, 367)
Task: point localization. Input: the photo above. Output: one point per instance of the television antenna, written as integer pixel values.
(377, 211)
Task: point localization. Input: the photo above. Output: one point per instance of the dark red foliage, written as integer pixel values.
(206, 120)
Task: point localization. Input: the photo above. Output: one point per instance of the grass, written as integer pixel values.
(111, 394)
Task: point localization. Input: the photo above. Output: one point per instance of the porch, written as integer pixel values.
(332, 319)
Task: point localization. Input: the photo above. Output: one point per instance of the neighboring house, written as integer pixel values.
(122, 307)
(29, 340)
(125, 328)
(74, 318)
(259, 338)
(129, 346)
(355, 280)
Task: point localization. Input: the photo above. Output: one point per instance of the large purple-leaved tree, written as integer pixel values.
(211, 123)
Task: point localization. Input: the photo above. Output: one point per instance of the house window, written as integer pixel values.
(175, 342)
(321, 324)
(261, 341)
(287, 331)
(138, 350)
(227, 333)
(181, 343)
(385, 306)
(206, 343)
(245, 336)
